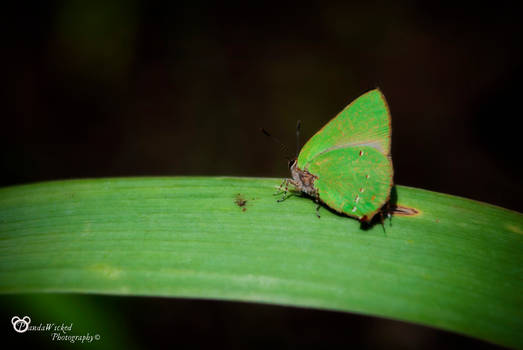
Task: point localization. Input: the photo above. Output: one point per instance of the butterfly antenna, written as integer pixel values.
(298, 125)
(281, 144)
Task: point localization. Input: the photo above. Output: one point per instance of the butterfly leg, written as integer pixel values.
(317, 200)
(382, 221)
(280, 190)
(285, 191)
(385, 213)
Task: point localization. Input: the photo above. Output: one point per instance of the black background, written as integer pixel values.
(126, 88)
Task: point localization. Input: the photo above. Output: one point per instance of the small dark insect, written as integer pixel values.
(240, 201)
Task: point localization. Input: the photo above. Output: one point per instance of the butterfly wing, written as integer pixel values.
(365, 122)
(350, 156)
(353, 181)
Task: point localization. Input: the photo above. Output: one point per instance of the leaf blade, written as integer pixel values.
(456, 265)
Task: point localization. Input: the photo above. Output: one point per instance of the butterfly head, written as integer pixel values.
(295, 172)
(292, 163)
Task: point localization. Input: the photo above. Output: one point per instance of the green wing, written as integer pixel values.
(350, 156)
(365, 122)
(353, 181)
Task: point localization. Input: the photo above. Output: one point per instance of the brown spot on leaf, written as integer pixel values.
(240, 201)
(401, 210)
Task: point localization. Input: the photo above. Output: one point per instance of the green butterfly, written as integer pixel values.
(347, 164)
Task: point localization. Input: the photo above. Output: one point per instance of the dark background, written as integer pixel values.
(125, 88)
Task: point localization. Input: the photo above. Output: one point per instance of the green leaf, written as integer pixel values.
(456, 265)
